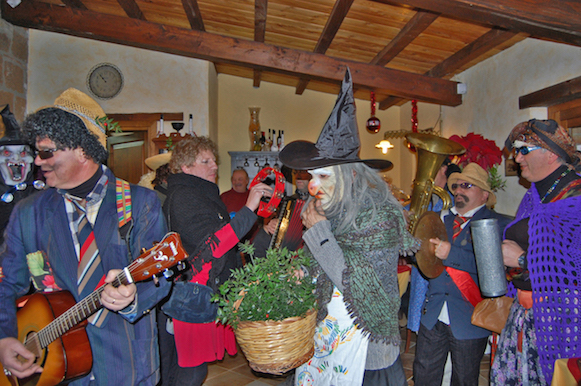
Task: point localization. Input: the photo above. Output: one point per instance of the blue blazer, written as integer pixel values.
(125, 350)
(442, 289)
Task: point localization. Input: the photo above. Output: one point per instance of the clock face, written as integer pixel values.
(105, 81)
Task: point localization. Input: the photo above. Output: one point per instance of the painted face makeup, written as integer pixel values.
(322, 185)
(15, 163)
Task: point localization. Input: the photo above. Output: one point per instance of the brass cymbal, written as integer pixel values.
(429, 226)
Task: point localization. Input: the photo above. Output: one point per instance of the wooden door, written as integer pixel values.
(128, 151)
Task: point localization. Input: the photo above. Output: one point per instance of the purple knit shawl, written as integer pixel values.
(554, 262)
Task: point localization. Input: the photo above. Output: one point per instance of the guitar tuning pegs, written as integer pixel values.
(181, 266)
(168, 273)
(143, 250)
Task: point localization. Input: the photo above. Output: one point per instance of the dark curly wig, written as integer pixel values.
(66, 130)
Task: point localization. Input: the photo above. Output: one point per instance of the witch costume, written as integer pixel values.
(357, 336)
(16, 167)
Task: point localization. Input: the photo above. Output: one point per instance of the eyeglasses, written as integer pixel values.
(525, 150)
(463, 185)
(46, 153)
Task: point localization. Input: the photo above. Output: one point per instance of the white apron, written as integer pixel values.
(340, 350)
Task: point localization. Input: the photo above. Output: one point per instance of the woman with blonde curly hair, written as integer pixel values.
(194, 209)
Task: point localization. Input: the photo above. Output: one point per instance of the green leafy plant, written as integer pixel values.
(268, 288)
(108, 124)
(495, 179)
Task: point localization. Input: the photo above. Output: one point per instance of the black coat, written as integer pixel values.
(194, 209)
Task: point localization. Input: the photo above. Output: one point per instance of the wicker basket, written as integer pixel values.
(276, 347)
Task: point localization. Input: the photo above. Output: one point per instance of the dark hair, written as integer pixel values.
(66, 130)
(452, 168)
(161, 174)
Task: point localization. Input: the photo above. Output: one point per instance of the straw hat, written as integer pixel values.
(157, 160)
(476, 175)
(338, 142)
(83, 106)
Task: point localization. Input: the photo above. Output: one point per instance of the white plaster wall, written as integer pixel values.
(213, 102)
(153, 81)
(490, 107)
(300, 116)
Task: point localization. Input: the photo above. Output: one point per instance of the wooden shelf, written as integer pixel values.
(161, 142)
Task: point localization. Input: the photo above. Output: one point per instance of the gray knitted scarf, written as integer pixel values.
(370, 284)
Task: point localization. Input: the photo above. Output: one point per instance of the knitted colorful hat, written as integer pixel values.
(476, 175)
(547, 134)
(338, 142)
(83, 106)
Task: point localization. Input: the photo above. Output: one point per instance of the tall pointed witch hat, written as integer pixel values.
(12, 135)
(338, 142)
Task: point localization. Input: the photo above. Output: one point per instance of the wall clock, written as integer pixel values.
(105, 81)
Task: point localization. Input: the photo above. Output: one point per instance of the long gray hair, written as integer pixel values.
(358, 186)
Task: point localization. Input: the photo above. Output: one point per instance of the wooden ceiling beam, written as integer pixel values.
(74, 4)
(417, 24)
(554, 95)
(556, 20)
(223, 49)
(193, 14)
(131, 9)
(260, 12)
(478, 47)
(338, 14)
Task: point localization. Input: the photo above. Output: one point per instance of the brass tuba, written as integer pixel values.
(431, 151)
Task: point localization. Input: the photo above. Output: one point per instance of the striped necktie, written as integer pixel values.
(458, 221)
(89, 259)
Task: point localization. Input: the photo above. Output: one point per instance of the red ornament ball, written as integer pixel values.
(373, 125)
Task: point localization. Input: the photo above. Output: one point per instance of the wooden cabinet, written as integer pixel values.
(568, 115)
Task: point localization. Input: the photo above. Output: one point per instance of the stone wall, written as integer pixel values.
(13, 68)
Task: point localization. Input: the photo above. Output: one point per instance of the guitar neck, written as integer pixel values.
(163, 255)
(74, 315)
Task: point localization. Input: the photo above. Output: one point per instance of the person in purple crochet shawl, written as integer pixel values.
(542, 252)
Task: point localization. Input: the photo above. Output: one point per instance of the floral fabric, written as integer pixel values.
(340, 350)
(514, 367)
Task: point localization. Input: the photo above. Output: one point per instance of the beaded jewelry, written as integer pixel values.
(554, 185)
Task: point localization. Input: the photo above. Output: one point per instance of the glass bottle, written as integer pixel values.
(262, 142)
(254, 129)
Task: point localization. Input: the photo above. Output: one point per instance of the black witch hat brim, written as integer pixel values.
(304, 155)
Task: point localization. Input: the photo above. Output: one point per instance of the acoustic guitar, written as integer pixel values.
(52, 326)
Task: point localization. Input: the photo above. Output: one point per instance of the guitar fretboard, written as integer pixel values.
(164, 255)
(74, 315)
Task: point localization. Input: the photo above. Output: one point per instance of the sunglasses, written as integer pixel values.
(463, 185)
(525, 150)
(45, 153)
